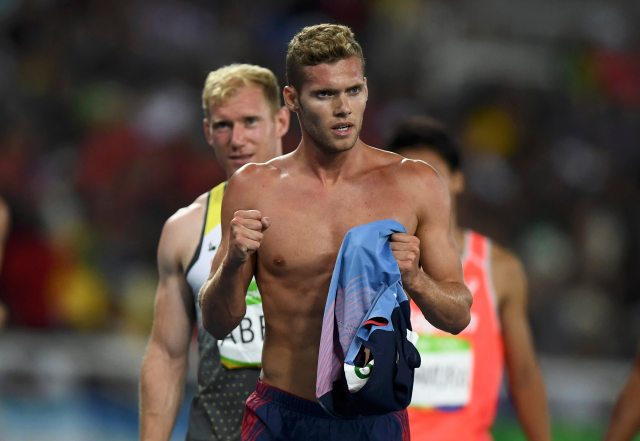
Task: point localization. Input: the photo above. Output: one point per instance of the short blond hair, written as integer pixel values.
(223, 83)
(323, 43)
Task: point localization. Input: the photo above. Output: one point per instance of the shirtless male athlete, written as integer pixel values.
(456, 389)
(244, 121)
(285, 221)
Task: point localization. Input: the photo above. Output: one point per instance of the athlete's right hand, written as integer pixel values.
(246, 232)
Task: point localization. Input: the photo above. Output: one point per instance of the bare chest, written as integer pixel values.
(307, 227)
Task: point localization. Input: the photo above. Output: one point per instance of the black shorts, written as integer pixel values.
(273, 414)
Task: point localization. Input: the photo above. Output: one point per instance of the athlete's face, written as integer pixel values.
(453, 179)
(243, 129)
(330, 103)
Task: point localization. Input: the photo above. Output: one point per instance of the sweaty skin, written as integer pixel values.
(287, 219)
(297, 252)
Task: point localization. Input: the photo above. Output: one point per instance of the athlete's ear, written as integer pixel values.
(282, 117)
(290, 95)
(206, 127)
(365, 89)
(456, 183)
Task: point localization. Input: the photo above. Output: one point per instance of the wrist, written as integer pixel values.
(410, 283)
(231, 263)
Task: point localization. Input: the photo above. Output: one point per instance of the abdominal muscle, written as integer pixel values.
(293, 324)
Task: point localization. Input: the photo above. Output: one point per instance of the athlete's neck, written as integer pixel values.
(328, 166)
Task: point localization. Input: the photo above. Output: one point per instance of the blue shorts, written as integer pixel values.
(273, 414)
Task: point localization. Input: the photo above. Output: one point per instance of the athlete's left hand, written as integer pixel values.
(406, 250)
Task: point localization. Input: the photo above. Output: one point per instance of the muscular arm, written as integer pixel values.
(526, 385)
(439, 289)
(222, 297)
(625, 420)
(165, 363)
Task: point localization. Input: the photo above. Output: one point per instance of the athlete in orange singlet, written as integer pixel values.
(456, 388)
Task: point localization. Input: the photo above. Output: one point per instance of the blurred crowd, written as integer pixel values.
(101, 140)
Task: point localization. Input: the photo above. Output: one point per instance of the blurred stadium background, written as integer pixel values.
(100, 141)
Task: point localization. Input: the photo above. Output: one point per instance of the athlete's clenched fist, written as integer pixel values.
(246, 232)
(406, 250)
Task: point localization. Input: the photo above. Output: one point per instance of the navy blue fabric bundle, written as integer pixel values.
(366, 361)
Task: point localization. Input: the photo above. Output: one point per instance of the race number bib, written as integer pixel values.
(242, 348)
(444, 376)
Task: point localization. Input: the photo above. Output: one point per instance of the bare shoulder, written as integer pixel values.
(186, 217)
(181, 232)
(421, 171)
(248, 183)
(423, 181)
(504, 260)
(410, 171)
(507, 273)
(261, 171)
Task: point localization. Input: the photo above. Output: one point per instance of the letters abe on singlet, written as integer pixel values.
(243, 346)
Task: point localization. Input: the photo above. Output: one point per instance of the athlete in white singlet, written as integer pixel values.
(244, 122)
